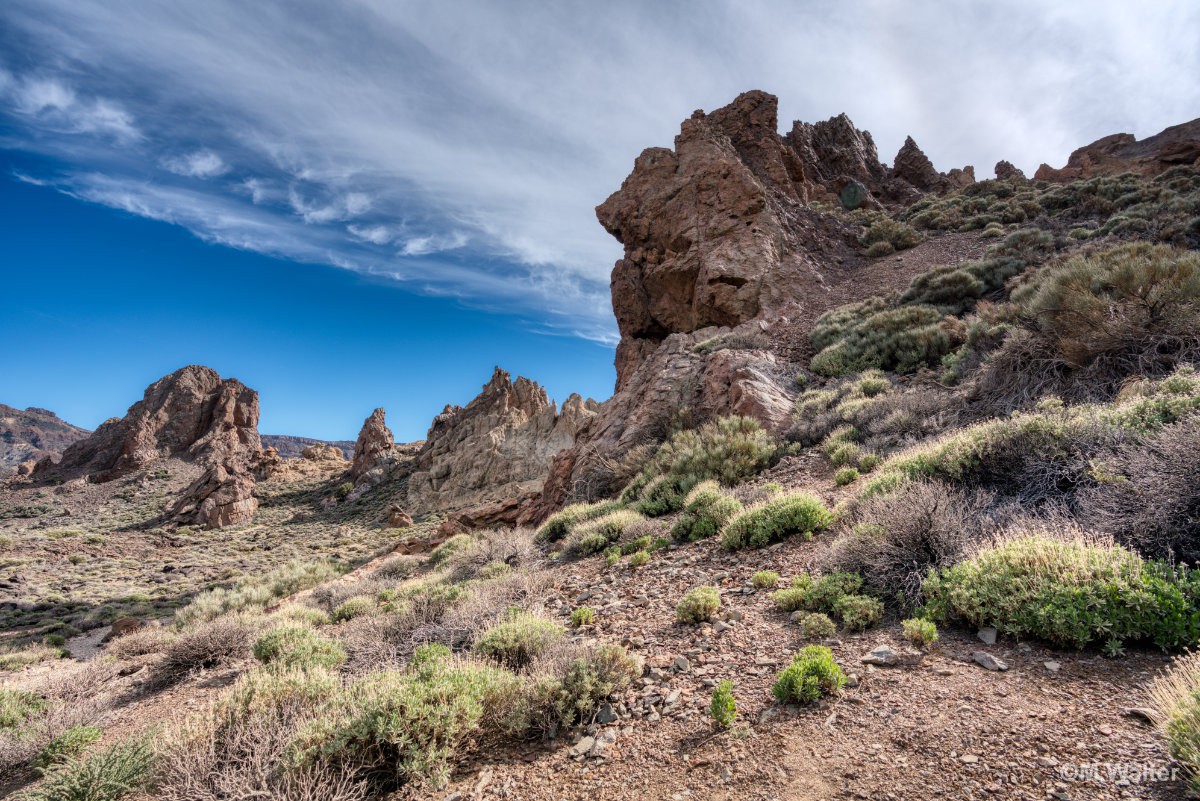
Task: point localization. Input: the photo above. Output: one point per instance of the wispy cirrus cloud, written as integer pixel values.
(460, 151)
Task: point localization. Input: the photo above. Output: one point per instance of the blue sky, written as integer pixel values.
(372, 203)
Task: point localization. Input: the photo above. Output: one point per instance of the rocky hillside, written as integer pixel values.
(898, 496)
(289, 447)
(32, 434)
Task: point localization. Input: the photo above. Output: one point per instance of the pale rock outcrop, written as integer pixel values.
(496, 448)
(1007, 171)
(1121, 153)
(374, 450)
(320, 452)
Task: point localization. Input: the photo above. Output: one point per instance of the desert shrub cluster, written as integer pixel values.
(785, 515)
(1069, 589)
(812, 673)
(832, 595)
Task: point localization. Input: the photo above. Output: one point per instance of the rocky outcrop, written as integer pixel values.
(192, 413)
(1121, 153)
(290, 447)
(374, 450)
(32, 434)
(496, 448)
(914, 167)
(1007, 171)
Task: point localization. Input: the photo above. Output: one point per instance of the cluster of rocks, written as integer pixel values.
(1122, 153)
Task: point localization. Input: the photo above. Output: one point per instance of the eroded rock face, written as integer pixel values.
(191, 413)
(374, 449)
(1121, 153)
(913, 166)
(496, 448)
(1006, 171)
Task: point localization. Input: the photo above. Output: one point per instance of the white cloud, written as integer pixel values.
(198, 164)
(462, 148)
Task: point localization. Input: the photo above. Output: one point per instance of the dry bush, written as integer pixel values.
(512, 547)
(146, 640)
(1094, 321)
(224, 639)
(894, 540)
(396, 568)
(332, 595)
(1147, 494)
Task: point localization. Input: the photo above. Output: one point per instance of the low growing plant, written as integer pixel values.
(812, 673)
(698, 605)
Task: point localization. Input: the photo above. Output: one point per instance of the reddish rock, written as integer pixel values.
(124, 625)
(1121, 153)
(397, 517)
(320, 452)
(191, 413)
(915, 168)
(1006, 171)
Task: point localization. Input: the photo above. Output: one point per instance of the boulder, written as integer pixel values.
(397, 517)
(1007, 171)
(915, 168)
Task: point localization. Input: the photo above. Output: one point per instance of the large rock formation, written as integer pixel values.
(1121, 153)
(374, 449)
(189, 413)
(192, 414)
(496, 449)
(32, 434)
(726, 266)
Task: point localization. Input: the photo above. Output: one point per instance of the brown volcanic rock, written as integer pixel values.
(835, 148)
(914, 167)
(1121, 153)
(31, 434)
(374, 449)
(498, 447)
(1006, 171)
(191, 413)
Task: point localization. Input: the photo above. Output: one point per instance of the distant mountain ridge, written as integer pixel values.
(289, 447)
(32, 434)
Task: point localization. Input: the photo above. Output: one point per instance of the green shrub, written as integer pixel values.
(812, 673)
(724, 706)
(593, 536)
(920, 632)
(612, 555)
(845, 476)
(18, 706)
(775, 519)
(558, 525)
(552, 703)
(866, 336)
(633, 546)
(429, 655)
(663, 495)
(816, 626)
(706, 510)
(639, 559)
(868, 462)
(494, 570)
(518, 640)
(858, 612)
(354, 607)
(698, 605)
(16, 658)
(728, 450)
(399, 727)
(122, 770)
(456, 544)
(1071, 592)
(66, 747)
(344, 489)
(298, 646)
(583, 616)
(845, 453)
(880, 249)
(896, 234)
(765, 579)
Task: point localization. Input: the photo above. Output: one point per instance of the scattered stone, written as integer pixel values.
(682, 664)
(887, 656)
(1053, 667)
(989, 661)
(969, 759)
(606, 714)
(1141, 713)
(988, 635)
(582, 748)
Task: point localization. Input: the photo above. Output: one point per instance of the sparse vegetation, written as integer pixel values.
(858, 612)
(698, 605)
(519, 639)
(920, 632)
(117, 772)
(1069, 589)
(816, 626)
(812, 673)
(296, 646)
(706, 510)
(583, 616)
(1176, 698)
(796, 513)
(724, 706)
(765, 579)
